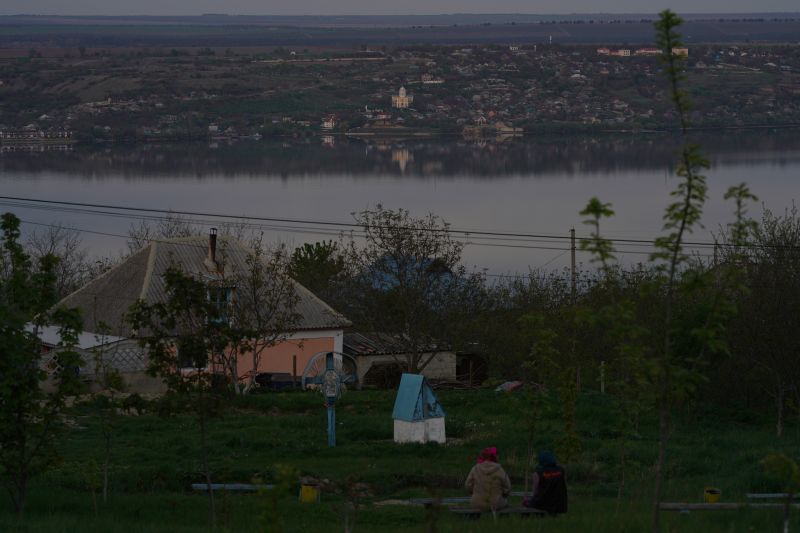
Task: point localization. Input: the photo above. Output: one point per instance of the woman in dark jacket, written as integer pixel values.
(549, 486)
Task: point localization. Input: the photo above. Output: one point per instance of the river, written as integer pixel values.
(519, 186)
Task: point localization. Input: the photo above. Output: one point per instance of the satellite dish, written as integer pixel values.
(329, 373)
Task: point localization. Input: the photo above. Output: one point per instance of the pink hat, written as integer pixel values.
(488, 454)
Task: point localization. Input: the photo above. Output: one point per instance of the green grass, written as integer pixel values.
(156, 458)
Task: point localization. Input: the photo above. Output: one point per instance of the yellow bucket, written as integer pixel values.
(712, 495)
(309, 493)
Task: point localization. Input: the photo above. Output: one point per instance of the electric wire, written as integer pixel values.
(144, 213)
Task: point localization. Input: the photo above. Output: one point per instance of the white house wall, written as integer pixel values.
(443, 365)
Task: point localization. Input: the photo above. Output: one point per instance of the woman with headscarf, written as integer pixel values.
(488, 482)
(549, 486)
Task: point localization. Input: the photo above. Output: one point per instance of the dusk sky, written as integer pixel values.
(372, 7)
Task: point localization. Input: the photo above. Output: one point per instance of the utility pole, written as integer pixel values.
(573, 269)
(574, 272)
(716, 248)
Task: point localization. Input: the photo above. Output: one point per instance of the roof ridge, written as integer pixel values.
(148, 273)
(108, 272)
(327, 307)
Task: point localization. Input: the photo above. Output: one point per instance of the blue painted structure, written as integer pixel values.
(330, 383)
(416, 400)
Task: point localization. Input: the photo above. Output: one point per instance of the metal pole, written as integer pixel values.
(603, 377)
(294, 371)
(331, 425)
(574, 283)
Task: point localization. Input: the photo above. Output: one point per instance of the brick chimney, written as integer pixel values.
(211, 258)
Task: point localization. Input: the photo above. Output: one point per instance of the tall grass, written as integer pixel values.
(155, 460)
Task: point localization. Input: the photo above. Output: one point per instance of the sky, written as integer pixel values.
(380, 7)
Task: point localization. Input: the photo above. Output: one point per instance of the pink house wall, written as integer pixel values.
(278, 358)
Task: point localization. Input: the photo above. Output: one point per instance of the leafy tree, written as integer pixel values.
(763, 334)
(662, 336)
(107, 386)
(694, 304)
(182, 336)
(31, 401)
(317, 266)
(555, 360)
(615, 313)
(681, 217)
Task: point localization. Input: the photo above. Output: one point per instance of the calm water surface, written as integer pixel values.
(519, 186)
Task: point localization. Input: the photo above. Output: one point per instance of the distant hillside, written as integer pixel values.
(384, 21)
(25, 31)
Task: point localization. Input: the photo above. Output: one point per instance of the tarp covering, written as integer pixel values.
(416, 400)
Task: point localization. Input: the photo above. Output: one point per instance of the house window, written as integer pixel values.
(191, 353)
(221, 299)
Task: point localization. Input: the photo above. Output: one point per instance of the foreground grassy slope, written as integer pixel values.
(156, 458)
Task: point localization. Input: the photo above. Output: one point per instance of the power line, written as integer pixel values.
(468, 243)
(93, 209)
(75, 229)
(103, 210)
(466, 232)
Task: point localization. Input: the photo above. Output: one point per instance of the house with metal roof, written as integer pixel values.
(381, 359)
(108, 298)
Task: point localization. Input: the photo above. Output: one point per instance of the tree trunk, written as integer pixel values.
(207, 472)
(621, 477)
(233, 374)
(663, 432)
(779, 406)
(18, 494)
(105, 468)
(786, 509)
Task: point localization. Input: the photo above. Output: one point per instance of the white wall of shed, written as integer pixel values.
(443, 365)
(421, 431)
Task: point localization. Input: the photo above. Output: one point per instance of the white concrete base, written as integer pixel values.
(428, 430)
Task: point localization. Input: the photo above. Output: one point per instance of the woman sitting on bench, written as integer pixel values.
(488, 482)
(549, 486)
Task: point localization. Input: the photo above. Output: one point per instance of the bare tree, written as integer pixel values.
(171, 227)
(406, 283)
(262, 312)
(74, 267)
(174, 226)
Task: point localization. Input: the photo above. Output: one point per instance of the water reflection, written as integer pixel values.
(441, 157)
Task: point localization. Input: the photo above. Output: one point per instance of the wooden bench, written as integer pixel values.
(234, 487)
(475, 514)
(430, 502)
(771, 496)
(454, 500)
(686, 507)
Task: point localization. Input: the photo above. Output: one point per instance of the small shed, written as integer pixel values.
(418, 415)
